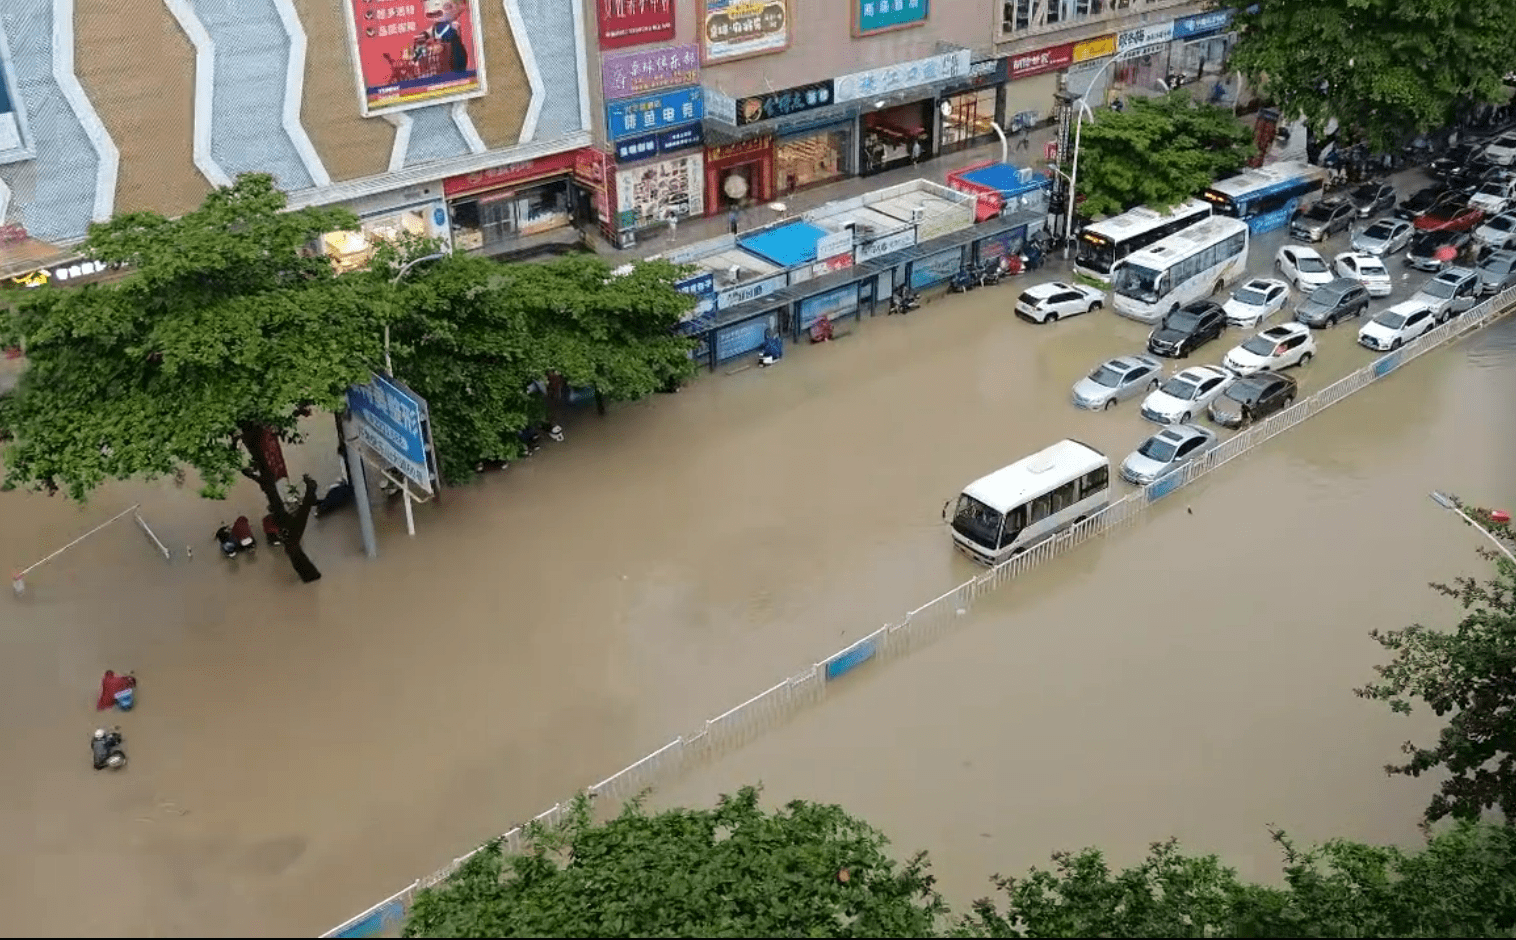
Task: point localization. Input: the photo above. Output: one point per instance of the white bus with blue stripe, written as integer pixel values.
(1031, 500)
(1266, 198)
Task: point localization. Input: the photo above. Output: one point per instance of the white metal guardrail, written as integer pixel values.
(773, 707)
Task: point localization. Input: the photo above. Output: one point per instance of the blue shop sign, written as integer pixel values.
(632, 117)
(680, 138)
(702, 287)
(637, 148)
(872, 16)
(647, 146)
(1203, 24)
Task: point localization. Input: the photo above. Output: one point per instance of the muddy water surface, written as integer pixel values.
(299, 752)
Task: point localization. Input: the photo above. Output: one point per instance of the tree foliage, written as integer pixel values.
(1157, 152)
(1468, 676)
(1382, 68)
(807, 870)
(811, 870)
(225, 326)
(471, 334)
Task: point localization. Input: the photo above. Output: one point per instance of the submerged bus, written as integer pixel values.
(1267, 197)
(1101, 245)
(1031, 500)
(1195, 263)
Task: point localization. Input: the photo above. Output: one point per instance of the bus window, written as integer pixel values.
(1093, 482)
(1063, 497)
(1015, 521)
(1040, 507)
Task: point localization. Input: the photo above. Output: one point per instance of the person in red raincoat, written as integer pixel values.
(110, 685)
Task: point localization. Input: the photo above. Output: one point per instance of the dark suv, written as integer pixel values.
(1253, 399)
(1333, 302)
(1187, 329)
(1323, 219)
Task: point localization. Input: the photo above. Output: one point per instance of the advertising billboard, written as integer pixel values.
(736, 29)
(633, 116)
(634, 22)
(636, 73)
(412, 53)
(876, 16)
(650, 193)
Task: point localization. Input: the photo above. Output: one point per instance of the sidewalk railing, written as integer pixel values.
(773, 707)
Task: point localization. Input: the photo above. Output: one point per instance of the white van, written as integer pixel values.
(1033, 499)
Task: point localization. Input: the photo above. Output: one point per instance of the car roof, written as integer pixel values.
(1452, 274)
(1302, 250)
(1199, 373)
(1503, 254)
(1338, 284)
(1047, 289)
(1407, 307)
(1179, 433)
(1130, 362)
(1261, 283)
(1284, 330)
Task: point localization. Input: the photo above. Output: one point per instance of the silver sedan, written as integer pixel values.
(1384, 237)
(1116, 380)
(1165, 452)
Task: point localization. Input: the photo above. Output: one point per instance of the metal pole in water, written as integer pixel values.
(359, 483)
(1446, 503)
(410, 517)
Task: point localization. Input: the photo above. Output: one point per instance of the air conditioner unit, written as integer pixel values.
(1024, 175)
(734, 273)
(918, 213)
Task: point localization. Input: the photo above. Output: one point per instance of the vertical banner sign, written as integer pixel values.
(411, 53)
(876, 16)
(634, 22)
(272, 453)
(636, 73)
(736, 29)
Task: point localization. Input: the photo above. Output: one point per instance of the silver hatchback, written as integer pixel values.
(1165, 452)
(1116, 380)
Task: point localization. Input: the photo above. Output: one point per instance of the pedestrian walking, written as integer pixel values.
(1023, 135)
(732, 217)
(916, 151)
(673, 220)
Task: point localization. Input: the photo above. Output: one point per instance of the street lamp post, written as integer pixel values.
(1068, 224)
(394, 282)
(1447, 502)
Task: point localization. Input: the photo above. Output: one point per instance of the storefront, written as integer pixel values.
(1201, 48)
(811, 156)
(652, 193)
(419, 213)
(970, 109)
(738, 174)
(1144, 54)
(1033, 81)
(894, 136)
(1089, 74)
(493, 209)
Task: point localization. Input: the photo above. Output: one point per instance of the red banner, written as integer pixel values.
(411, 52)
(634, 22)
(1043, 60)
(510, 174)
(272, 453)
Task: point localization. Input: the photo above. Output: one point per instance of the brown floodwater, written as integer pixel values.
(299, 752)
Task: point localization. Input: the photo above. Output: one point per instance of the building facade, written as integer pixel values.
(465, 120)
(702, 105)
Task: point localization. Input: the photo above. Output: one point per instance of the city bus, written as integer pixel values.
(1195, 263)
(1266, 197)
(1102, 244)
(1031, 500)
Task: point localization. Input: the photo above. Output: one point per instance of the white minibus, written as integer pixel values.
(1033, 499)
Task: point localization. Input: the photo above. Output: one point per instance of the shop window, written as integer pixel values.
(350, 250)
(496, 218)
(808, 161)
(971, 117)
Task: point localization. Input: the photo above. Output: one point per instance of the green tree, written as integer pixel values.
(1157, 152)
(1468, 676)
(1382, 68)
(471, 334)
(227, 326)
(1458, 885)
(808, 870)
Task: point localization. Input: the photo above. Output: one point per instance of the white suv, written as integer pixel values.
(1278, 347)
(1449, 293)
(1046, 303)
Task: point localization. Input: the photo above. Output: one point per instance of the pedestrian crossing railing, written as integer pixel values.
(941, 615)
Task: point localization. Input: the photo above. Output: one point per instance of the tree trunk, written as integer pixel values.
(599, 403)
(291, 524)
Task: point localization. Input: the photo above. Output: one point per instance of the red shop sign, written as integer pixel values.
(1043, 60)
(509, 174)
(714, 155)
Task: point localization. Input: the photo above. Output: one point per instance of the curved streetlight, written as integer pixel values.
(1451, 505)
(404, 270)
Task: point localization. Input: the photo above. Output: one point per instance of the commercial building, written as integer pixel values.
(465, 120)
(702, 105)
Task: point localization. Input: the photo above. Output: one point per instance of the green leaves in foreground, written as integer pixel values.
(811, 870)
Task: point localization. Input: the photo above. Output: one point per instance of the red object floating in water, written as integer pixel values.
(110, 684)
(1500, 516)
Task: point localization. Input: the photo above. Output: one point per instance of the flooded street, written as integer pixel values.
(298, 752)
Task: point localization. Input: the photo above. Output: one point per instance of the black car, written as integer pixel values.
(1253, 398)
(1455, 160)
(1331, 303)
(1469, 181)
(1372, 198)
(1425, 200)
(1187, 329)
(1428, 248)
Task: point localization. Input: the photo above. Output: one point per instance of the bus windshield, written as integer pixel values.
(1221, 203)
(1096, 252)
(1140, 283)
(974, 520)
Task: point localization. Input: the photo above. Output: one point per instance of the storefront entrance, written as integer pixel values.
(739, 174)
(812, 158)
(493, 210)
(970, 110)
(894, 137)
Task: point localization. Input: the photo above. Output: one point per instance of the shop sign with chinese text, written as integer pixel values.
(893, 78)
(511, 173)
(1204, 24)
(637, 73)
(1097, 48)
(1043, 60)
(736, 29)
(1144, 39)
(648, 146)
(634, 22)
(874, 16)
(777, 104)
(633, 116)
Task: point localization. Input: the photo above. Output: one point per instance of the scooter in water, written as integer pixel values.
(338, 495)
(990, 272)
(107, 749)
(236, 538)
(965, 280)
(904, 300)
